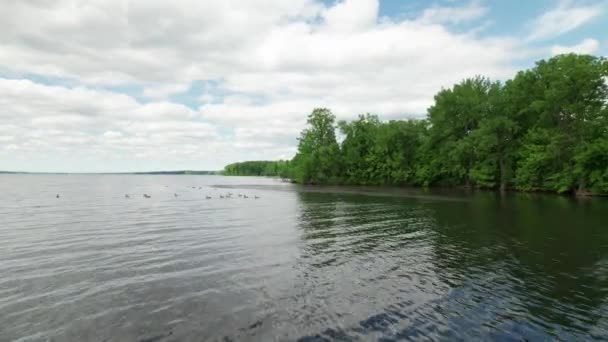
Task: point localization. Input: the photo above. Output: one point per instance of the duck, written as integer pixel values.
(147, 196)
(208, 197)
(127, 196)
(256, 197)
(221, 196)
(57, 196)
(245, 196)
(175, 195)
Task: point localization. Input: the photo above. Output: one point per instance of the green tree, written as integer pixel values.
(396, 151)
(454, 117)
(279, 168)
(565, 102)
(318, 156)
(357, 147)
(546, 129)
(494, 141)
(377, 153)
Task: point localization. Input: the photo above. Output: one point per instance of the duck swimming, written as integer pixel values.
(147, 196)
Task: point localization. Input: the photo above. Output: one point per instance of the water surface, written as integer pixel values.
(296, 264)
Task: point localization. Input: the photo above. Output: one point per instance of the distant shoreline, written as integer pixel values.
(180, 172)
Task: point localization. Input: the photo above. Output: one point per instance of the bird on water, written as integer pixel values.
(57, 196)
(208, 197)
(127, 196)
(147, 196)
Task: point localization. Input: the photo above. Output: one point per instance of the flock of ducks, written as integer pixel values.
(228, 195)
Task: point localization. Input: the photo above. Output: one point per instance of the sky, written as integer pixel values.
(120, 85)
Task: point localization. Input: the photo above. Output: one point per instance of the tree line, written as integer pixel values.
(279, 168)
(544, 130)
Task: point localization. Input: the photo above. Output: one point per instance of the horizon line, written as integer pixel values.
(110, 172)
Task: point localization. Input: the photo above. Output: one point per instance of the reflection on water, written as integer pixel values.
(306, 264)
(486, 268)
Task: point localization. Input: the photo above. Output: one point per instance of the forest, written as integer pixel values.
(279, 168)
(546, 129)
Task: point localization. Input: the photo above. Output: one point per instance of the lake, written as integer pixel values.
(308, 264)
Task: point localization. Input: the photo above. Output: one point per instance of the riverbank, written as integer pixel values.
(446, 189)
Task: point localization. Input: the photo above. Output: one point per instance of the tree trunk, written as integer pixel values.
(503, 176)
(581, 191)
(467, 183)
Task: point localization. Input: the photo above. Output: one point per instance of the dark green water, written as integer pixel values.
(304, 264)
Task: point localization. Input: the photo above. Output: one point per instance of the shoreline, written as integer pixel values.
(460, 188)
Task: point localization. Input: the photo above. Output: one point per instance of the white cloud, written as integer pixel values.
(565, 17)
(587, 46)
(112, 134)
(6, 138)
(351, 15)
(453, 15)
(270, 62)
(46, 119)
(77, 123)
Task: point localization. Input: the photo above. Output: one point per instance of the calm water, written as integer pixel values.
(293, 264)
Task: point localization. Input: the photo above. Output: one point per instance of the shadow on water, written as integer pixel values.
(488, 267)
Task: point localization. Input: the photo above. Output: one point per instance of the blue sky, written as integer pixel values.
(94, 86)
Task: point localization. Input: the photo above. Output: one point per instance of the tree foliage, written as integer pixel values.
(318, 157)
(544, 130)
(278, 168)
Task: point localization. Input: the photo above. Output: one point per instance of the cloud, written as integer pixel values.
(153, 43)
(453, 15)
(46, 119)
(565, 17)
(351, 15)
(265, 65)
(82, 123)
(587, 46)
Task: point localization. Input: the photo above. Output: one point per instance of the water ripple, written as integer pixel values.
(307, 264)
